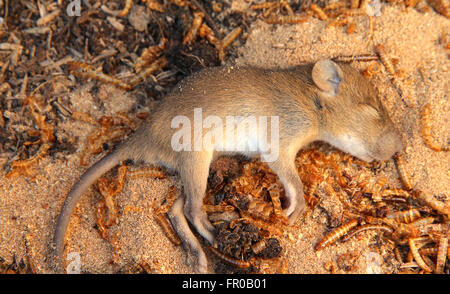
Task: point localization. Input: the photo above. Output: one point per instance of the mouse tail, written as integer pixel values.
(80, 187)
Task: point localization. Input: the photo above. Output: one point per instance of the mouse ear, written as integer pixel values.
(327, 76)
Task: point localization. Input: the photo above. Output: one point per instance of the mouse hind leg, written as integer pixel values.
(285, 169)
(194, 175)
(195, 254)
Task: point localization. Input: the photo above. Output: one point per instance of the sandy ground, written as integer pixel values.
(29, 208)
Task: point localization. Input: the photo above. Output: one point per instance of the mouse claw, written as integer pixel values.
(293, 217)
(299, 206)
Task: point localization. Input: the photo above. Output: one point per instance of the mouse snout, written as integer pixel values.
(387, 145)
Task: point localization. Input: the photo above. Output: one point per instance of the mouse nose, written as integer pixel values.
(389, 144)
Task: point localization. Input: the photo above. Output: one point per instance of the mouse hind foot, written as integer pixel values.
(196, 257)
(286, 171)
(194, 176)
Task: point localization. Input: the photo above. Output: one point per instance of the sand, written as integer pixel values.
(29, 207)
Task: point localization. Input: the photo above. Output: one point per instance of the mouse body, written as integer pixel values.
(278, 111)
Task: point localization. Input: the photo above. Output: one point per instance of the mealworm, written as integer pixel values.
(334, 235)
(148, 172)
(196, 23)
(171, 196)
(22, 166)
(48, 18)
(426, 133)
(406, 216)
(165, 225)
(441, 255)
(127, 8)
(343, 179)
(271, 266)
(429, 262)
(154, 66)
(217, 208)
(227, 41)
(385, 60)
(262, 6)
(179, 3)
(271, 228)
(429, 200)
(373, 186)
(286, 19)
(393, 198)
(428, 251)
(395, 192)
(86, 71)
(410, 257)
(154, 5)
(271, 9)
(356, 215)
(397, 254)
(234, 262)
(319, 12)
(208, 33)
(423, 224)
(231, 37)
(365, 227)
(149, 54)
(433, 251)
(277, 209)
(108, 190)
(259, 246)
(260, 209)
(84, 117)
(417, 257)
(398, 159)
(27, 162)
(351, 58)
(409, 264)
(311, 200)
(354, 12)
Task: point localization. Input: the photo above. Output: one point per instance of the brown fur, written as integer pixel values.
(334, 104)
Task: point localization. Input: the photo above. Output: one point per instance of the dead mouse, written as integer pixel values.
(319, 101)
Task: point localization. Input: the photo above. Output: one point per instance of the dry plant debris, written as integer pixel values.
(245, 206)
(42, 50)
(107, 213)
(369, 204)
(124, 44)
(247, 215)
